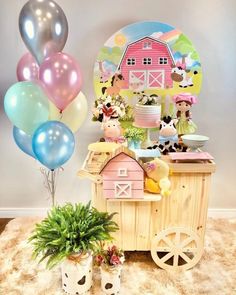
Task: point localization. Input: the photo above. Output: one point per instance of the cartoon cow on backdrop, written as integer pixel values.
(179, 73)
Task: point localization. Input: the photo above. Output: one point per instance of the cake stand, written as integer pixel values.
(147, 142)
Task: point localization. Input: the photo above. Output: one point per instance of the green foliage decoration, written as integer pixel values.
(112, 54)
(133, 133)
(70, 229)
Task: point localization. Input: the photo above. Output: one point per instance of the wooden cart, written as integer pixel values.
(173, 227)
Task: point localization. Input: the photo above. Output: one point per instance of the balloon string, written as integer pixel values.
(56, 177)
(50, 183)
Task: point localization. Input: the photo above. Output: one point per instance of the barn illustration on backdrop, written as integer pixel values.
(149, 57)
(146, 63)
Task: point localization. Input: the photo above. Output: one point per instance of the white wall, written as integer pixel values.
(210, 24)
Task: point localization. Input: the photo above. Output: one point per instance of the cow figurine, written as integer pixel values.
(168, 136)
(179, 74)
(112, 131)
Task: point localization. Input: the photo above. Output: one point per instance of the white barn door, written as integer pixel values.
(123, 189)
(155, 79)
(137, 80)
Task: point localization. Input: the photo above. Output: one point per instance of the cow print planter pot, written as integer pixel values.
(77, 275)
(110, 280)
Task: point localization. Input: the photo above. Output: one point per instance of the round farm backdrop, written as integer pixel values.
(149, 58)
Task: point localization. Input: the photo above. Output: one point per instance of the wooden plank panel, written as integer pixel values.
(206, 182)
(155, 223)
(110, 194)
(98, 201)
(109, 184)
(131, 175)
(196, 167)
(146, 198)
(185, 205)
(128, 225)
(116, 207)
(195, 210)
(133, 166)
(171, 211)
(143, 220)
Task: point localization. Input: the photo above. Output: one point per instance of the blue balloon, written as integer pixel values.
(23, 141)
(53, 144)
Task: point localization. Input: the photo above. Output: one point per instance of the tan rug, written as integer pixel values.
(215, 274)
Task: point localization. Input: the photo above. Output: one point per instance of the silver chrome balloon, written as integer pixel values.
(43, 27)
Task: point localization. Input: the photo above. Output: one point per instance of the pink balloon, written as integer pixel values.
(61, 76)
(27, 68)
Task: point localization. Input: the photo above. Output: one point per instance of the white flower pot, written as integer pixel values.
(77, 276)
(110, 279)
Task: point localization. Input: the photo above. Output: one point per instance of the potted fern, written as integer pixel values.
(69, 235)
(134, 137)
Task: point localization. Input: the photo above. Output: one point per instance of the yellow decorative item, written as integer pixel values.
(157, 180)
(165, 184)
(74, 114)
(103, 147)
(152, 186)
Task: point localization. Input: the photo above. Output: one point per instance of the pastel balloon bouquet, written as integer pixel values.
(46, 105)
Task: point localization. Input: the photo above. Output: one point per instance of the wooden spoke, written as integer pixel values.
(190, 250)
(177, 238)
(185, 257)
(167, 241)
(166, 257)
(178, 245)
(162, 249)
(187, 241)
(176, 260)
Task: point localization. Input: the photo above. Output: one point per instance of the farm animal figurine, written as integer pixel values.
(184, 102)
(157, 180)
(168, 136)
(179, 73)
(117, 83)
(104, 75)
(112, 131)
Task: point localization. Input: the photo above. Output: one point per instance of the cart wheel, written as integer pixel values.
(176, 248)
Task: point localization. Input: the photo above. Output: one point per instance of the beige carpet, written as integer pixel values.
(215, 274)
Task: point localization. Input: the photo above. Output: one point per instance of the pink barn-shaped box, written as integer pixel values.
(147, 61)
(123, 177)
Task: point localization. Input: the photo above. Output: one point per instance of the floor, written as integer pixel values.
(215, 274)
(3, 223)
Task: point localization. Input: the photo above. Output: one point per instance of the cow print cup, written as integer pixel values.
(77, 277)
(110, 280)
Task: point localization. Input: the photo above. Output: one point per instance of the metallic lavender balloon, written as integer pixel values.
(61, 76)
(53, 144)
(27, 68)
(43, 27)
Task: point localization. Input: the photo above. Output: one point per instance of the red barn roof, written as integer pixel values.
(141, 39)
